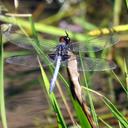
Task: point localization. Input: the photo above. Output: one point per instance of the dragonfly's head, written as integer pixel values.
(65, 39)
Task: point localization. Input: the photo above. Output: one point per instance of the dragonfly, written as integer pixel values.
(58, 55)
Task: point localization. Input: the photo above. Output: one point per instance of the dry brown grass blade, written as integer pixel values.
(76, 88)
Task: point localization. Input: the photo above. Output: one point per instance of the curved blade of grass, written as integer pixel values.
(125, 90)
(81, 115)
(116, 113)
(2, 101)
(40, 52)
(106, 124)
(112, 108)
(120, 125)
(59, 32)
(52, 99)
(89, 95)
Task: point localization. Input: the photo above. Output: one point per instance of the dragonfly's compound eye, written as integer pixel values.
(64, 39)
(61, 39)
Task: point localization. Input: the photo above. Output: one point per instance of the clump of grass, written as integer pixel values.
(80, 115)
(111, 107)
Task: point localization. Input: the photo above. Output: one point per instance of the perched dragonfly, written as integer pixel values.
(59, 54)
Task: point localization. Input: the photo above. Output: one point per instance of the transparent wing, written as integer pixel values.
(89, 64)
(83, 64)
(19, 37)
(29, 61)
(95, 44)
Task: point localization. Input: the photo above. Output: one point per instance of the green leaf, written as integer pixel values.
(112, 108)
(126, 3)
(116, 113)
(2, 102)
(121, 83)
(94, 115)
(107, 125)
(81, 115)
(52, 99)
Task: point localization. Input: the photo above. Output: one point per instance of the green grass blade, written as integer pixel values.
(84, 120)
(89, 95)
(125, 90)
(112, 108)
(126, 72)
(53, 100)
(120, 126)
(39, 51)
(34, 31)
(81, 116)
(126, 3)
(116, 113)
(106, 124)
(2, 102)
(84, 23)
(59, 32)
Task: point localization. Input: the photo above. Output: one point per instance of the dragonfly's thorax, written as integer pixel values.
(62, 50)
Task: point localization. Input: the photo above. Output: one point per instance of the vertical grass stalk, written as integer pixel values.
(61, 122)
(2, 102)
(52, 98)
(126, 72)
(126, 3)
(89, 95)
